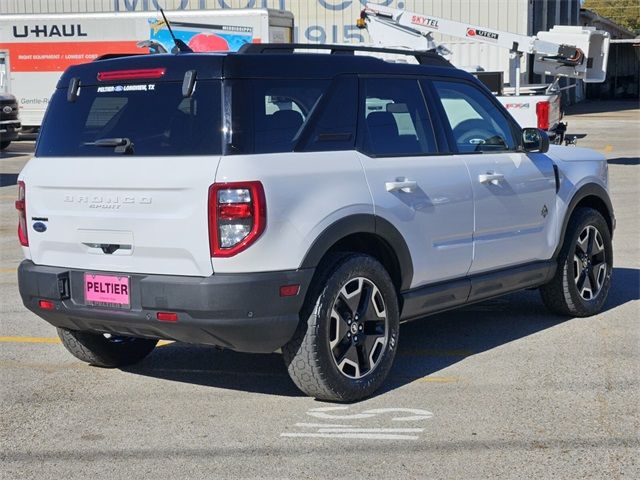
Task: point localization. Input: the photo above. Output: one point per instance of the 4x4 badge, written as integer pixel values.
(544, 212)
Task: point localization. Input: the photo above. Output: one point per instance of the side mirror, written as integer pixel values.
(535, 140)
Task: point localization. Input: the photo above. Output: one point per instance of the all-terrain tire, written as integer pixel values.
(311, 360)
(562, 295)
(98, 350)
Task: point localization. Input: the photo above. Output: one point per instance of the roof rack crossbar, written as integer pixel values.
(424, 57)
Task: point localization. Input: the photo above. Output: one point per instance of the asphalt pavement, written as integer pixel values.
(501, 389)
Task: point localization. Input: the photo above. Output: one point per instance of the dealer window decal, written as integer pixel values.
(145, 87)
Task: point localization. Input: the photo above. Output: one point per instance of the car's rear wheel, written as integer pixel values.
(585, 263)
(105, 350)
(348, 333)
(4, 145)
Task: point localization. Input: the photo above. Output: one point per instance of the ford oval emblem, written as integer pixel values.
(39, 227)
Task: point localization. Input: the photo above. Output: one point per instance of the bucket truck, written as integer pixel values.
(564, 51)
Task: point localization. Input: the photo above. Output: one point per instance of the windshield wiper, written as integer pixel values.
(122, 145)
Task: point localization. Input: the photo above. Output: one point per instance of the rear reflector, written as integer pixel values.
(167, 316)
(289, 290)
(234, 211)
(131, 74)
(46, 304)
(542, 112)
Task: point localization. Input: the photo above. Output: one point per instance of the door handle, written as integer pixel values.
(407, 186)
(490, 177)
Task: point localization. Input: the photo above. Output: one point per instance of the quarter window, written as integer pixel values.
(269, 114)
(476, 122)
(334, 126)
(394, 119)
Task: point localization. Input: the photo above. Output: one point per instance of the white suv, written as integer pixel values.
(308, 202)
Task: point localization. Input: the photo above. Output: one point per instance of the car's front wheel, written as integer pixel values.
(585, 264)
(104, 350)
(348, 334)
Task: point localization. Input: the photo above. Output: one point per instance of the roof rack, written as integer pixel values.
(424, 57)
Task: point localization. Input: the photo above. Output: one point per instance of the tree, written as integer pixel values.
(624, 12)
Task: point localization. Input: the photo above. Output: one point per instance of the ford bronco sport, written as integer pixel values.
(309, 202)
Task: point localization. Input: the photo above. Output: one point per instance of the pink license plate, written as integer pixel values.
(106, 291)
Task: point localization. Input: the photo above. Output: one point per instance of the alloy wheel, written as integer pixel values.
(589, 263)
(358, 332)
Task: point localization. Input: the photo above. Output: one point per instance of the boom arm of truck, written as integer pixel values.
(564, 51)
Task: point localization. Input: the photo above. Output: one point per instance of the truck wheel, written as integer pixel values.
(106, 350)
(348, 333)
(4, 145)
(585, 263)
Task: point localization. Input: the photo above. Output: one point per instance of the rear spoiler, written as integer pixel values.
(109, 56)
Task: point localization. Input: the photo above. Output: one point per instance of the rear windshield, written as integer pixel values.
(155, 118)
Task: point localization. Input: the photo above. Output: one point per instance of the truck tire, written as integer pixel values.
(585, 263)
(347, 338)
(102, 351)
(4, 145)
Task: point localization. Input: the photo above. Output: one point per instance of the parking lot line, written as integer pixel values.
(438, 379)
(353, 436)
(16, 339)
(29, 340)
(162, 343)
(433, 352)
(8, 270)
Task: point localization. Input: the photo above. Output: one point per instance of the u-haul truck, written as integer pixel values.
(41, 47)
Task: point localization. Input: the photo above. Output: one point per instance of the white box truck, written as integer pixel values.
(41, 47)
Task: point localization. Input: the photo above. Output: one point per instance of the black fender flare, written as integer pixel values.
(362, 223)
(588, 190)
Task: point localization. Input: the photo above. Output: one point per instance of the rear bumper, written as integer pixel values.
(243, 312)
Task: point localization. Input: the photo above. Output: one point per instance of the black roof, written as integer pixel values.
(260, 62)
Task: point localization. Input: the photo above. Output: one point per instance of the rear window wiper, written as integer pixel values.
(122, 145)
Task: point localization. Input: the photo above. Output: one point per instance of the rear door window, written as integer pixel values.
(394, 120)
(156, 119)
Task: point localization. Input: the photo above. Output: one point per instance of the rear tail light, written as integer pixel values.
(21, 206)
(237, 216)
(542, 112)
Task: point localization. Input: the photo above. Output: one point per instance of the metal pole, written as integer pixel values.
(518, 67)
(615, 77)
